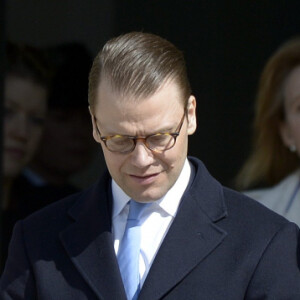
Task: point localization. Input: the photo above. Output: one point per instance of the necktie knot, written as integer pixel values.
(135, 210)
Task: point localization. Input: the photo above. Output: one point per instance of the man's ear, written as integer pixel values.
(95, 132)
(191, 115)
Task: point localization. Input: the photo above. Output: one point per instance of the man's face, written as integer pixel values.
(144, 175)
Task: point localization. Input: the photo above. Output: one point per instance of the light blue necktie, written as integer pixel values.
(129, 251)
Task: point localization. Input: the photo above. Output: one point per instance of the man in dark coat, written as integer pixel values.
(198, 239)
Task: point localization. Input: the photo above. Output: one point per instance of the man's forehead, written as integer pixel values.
(113, 108)
(107, 92)
(108, 86)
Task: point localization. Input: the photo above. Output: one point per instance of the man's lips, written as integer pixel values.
(144, 178)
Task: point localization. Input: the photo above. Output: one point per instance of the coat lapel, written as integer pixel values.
(89, 244)
(192, 236)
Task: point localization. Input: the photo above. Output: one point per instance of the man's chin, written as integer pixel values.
(146, 195)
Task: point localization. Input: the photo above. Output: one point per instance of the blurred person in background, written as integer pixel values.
(26, 87)
(66, 146)
(271, 174)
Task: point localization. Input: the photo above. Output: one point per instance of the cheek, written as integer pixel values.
(168, 158)
(180, 149)
(113, 161)
(174, 158)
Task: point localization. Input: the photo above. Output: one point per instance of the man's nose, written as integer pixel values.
(141, 156)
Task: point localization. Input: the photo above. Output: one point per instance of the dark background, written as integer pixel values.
(226, 44)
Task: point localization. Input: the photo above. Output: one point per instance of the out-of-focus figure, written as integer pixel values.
(26, 87)
(66, 145)
(271, 174)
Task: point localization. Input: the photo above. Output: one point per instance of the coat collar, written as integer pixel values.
(208, 192)
(202, 183)
(89, 244)
(192, 236)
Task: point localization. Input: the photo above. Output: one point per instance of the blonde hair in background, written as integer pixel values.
(270, 160)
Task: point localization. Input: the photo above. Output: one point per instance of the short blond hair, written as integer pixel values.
(137, 63)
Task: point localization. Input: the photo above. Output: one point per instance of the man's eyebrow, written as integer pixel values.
(165, 129)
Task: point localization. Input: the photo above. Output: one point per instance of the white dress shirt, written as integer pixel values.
(156, 219)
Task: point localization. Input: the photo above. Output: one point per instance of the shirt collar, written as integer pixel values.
(120, 199)
(169, 203)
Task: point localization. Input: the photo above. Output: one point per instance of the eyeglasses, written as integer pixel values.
(157, 142)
